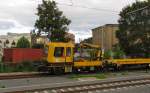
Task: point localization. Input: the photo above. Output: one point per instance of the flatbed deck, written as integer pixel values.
(130, 61)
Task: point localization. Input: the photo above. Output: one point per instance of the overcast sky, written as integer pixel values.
(19, 15)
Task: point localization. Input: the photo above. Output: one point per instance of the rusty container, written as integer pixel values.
(17, 55)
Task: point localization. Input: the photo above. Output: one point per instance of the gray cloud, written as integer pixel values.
(13, 26)
(6, 25)
(22, 11)
(83, 20)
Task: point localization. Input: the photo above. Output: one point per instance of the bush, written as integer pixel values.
(21, 67)
(28, 66)
(107, 54)
(116, 52)
(23, 43)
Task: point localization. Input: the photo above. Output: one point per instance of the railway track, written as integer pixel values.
(93, 87)
(18, 75)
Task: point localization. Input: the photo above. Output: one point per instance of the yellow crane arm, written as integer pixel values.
(89, 45)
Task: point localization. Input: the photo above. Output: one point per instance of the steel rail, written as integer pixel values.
(18, 75)
(91, 87)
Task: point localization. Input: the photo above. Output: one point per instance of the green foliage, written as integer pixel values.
(27, 66)
(134, 29)
(51, 21)
(13, 43)
(7, 41)
(117, 52)
(20, 67)
(2, 86)
(107, 54)
(97, 76)
(23, 43)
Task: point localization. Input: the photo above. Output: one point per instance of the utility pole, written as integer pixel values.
(102, 41)
(80, 47)
(102, 37)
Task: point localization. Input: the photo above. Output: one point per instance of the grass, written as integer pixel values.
(2, 86)
(97, 76)
(28, 81)
(21, 67)
(124, 73)
(100, 75)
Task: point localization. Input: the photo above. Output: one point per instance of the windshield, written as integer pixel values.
(89, 54)
(86, 53)
(59, 51)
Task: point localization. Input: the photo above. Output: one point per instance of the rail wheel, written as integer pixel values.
(58, 70)
(97, 69)
(75, 70)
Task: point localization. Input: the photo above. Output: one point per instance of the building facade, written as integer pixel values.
(43, 39)
(105, 36)
(11, 39)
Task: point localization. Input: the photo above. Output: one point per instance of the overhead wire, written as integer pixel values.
(127, 2)
(92, 8)
(138, 9)
(71, 4)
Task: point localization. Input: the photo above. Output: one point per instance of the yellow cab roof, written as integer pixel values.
(60, 44)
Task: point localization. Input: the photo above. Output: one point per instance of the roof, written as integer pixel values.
(106, 25)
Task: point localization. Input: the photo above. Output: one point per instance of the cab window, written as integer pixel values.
(59, 51)
(68, 51)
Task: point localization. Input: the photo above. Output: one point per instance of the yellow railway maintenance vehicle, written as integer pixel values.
(89, 58)
(65, 57)
(60, 58)
(126, 63)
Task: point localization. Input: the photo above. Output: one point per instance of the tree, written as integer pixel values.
(134, 29)
(33, 37)
(7, 41)
(51, 21)
(23, 43)
(13, 43)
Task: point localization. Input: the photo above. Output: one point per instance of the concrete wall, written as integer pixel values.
(109, 35)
